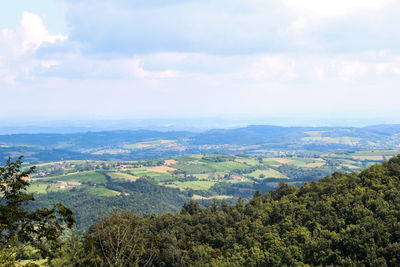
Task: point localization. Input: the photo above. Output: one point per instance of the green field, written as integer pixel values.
(39, 188)
(157, 176)
(214, 175)
(270, 161)
(82, 177)
(302, 162)
(248, 161)
(195, 185)
(194, 168)
(140, 172)
(228, 166)
(270, 173)
(201, 172)
(101, 191)
(121, 176)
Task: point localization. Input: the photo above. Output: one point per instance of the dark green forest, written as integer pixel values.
(141, 197)
(342, 219)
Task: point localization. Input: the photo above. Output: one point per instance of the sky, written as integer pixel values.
(196, 58)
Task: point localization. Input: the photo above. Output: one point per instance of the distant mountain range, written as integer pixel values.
(263, 139)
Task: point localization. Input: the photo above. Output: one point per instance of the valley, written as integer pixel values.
(97, 187)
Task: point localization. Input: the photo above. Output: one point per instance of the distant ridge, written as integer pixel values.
(129, 144)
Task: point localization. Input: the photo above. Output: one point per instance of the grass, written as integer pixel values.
(195, 185)
(121, 176)
(301, 162)
(206, 176)
(270, 173)
(228, 166)
(157, 176)
(271, 162)
(164, 178)
(83, 177)
(100, 191)
(195, 168)
(187, 158)
(39, 188)
(249, 161)
(144, 172)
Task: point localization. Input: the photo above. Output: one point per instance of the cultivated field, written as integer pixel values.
(204, 175)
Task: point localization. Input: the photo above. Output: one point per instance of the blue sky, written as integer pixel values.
(127, 59)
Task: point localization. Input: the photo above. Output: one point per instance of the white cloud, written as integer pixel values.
(353, 69)
(18, 47)
(30, 35)
(333, 8)
(193, 57)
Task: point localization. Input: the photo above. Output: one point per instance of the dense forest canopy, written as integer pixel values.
(342, 219)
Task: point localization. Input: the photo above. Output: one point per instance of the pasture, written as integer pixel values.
(82, 177)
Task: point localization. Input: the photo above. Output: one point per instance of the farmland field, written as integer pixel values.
(121, 176)
(199, 172)
(174, 180)
(82, 177)
(270, 173)
(195, 185)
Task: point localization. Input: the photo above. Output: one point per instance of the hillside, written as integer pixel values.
(343, 219)
(257, 139)
(94, 188)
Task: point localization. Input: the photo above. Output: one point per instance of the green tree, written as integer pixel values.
(20, 226)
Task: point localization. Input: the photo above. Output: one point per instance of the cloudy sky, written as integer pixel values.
(181, 58)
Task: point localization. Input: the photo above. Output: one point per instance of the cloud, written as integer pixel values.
(18, 46)
(203, 57)
(219, 27)
(334, 8)
(30, 35)
(235, 27)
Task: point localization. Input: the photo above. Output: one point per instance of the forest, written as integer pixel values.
(93, 189)
(342, 219)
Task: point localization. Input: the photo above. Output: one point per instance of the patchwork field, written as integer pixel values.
(82, 177)
(206, 176)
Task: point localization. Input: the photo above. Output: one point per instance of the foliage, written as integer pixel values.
(40, 228)
(342, 219)
(142, 197)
